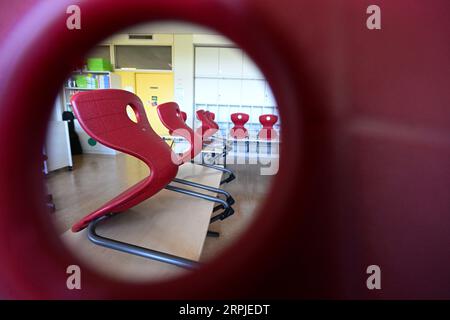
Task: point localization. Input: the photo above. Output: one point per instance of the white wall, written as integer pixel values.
(173, 27)
(183, 67)
(212, 40)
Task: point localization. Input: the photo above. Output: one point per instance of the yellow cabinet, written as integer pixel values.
(154, 89)
(128, 80)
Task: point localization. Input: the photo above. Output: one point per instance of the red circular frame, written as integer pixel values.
(33, 260)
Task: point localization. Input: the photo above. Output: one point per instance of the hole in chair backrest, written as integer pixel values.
(132, 114)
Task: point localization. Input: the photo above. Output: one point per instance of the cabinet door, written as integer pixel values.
(250, 70)
(230, 91)
(230, 62)
(206, 62)
(154, 89)
(269, 98)
(253, 92)
(206, 91)
(127, 80)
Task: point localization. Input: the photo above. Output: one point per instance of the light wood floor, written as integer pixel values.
(95, 178)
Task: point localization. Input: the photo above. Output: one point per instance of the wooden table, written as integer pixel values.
(169, 222)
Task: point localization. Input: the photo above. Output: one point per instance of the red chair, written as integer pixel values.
(102, 114)
(267, 132)
(171, 117)
(207, 129)
(184, 116)
(239, 120)
(239, 131)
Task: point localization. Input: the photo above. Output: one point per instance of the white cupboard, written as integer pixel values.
(207, 91)
(253, 92)
(227, 81)
(230, 91)
(207, 62)
(230, 63)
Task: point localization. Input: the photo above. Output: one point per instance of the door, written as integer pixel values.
(154, 89)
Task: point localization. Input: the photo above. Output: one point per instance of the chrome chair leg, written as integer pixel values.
(135, 250)
(230, 200)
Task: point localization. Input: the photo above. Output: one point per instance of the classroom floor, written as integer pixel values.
(96, 177)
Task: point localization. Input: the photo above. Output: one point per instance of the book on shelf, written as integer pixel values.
(89, 81)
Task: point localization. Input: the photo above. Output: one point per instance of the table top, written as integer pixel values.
(169, 222)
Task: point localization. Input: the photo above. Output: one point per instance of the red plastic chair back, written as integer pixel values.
(172, 118)
(209, 127)
(211, 116)
(183, 116)
(268, 132)
(239, 131)
(102, 114)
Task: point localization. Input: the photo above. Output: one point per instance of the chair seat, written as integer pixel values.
(268, 132)
(239, 133)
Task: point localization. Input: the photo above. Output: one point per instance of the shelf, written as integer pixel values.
(93, 72)
(83, 89)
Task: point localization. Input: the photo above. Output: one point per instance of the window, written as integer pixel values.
(100, 52)
(144, 57)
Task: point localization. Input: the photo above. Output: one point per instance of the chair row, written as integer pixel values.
(239, 120)
(102, 114)
(266, 133)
